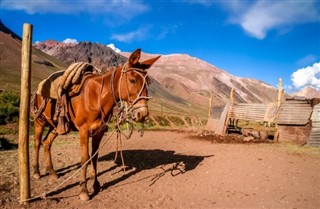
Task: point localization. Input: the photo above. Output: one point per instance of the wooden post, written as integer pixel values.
(229, 108)
(232, 96)
(280, 93)
(210, 106)
(279, 100)
(24, 113)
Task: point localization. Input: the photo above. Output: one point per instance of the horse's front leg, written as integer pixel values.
(47, 143)
(84, 141)
(96, 139)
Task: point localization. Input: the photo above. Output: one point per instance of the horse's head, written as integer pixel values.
(133, 85)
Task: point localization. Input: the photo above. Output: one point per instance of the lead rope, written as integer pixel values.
(45, 194)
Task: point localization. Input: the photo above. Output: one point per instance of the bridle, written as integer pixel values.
(123, 111)
(142, 73)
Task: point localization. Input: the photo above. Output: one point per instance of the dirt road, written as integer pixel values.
(170, 170)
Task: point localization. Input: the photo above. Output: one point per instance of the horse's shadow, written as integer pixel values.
(149, 159)
(140, 160)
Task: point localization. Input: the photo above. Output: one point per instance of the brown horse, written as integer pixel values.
(90, 111)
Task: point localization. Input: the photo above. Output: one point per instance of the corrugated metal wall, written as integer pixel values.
(250, 112)
(314, 139)
(294, 112)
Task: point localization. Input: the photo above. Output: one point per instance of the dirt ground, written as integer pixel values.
(176, 170)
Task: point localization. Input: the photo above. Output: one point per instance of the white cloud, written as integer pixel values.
(125, 9)
(137, 35)
(70, 41)
(114, 48)
(259, 17)
(309, 76)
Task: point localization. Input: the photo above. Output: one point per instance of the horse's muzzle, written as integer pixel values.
(139, 113)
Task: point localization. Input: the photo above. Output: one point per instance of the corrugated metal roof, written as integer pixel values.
(293, 112)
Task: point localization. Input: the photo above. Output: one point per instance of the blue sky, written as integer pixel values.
(264, 40)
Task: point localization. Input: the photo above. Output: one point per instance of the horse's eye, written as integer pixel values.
(132, 81)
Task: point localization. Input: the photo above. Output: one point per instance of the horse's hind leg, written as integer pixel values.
(37, 142)
(84, 142)
(47, 143)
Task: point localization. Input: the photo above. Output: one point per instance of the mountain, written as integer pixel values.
(99, 55)
(196, 81)
(10, 62)
(308, 92)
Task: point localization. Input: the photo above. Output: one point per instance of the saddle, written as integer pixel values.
(63, 85)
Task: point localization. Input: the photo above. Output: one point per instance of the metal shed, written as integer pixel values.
(293, 120)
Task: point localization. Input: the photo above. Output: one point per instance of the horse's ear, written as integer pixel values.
(149, 62)
(134, 57)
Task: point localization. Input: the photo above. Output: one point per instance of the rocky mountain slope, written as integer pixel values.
(99, 55)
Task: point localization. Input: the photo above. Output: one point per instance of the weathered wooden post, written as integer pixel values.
(280, 93)
(24, 113)
(279, 100)
(210, 106)
(228, 107)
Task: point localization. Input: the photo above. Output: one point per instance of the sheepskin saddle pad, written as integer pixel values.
(70, 80)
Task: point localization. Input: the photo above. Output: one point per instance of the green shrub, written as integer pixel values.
(9, 107)
(188, 120)
(162, 121)
(176, 121)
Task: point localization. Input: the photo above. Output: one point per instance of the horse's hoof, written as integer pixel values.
(96, 187)
(84, 196)
(36, 176)
(53, 177)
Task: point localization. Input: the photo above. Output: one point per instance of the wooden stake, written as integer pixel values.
(279, 101)
(210, 106)
(24, 113)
